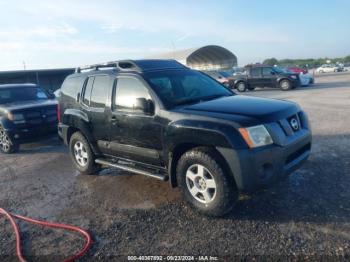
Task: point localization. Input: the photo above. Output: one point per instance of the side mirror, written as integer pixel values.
(144, 105)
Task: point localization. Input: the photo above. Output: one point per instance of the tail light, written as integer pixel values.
(59, 113)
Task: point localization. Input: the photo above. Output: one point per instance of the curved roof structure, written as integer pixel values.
(211, 57)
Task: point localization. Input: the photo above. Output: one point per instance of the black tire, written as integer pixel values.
(241, 86)
(225, 195)
(285, 85)
(7, 145)
(87, 165)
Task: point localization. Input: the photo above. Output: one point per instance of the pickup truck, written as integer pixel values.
(27, 113)
(266, 76)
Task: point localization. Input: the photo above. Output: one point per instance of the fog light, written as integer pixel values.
(16, 136)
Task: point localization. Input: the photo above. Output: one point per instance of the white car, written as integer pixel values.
(328, 68)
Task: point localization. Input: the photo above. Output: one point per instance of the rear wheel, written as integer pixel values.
(204, 182)
(241, 86)
(7, 146)
(82, 155)
(285, 85)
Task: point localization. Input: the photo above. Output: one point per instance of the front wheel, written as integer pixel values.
(285, 85)
(7, 145)
(82, 155)
(241, 87)
(205, 183)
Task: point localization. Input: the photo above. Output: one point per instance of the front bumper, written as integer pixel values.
(261, 167)
(27, 134)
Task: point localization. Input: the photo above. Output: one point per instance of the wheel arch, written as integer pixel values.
(78, 122)
(185, 147)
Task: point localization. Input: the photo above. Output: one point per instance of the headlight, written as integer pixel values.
(256, 136)
(15, 117)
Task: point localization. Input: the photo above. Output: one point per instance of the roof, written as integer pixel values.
(140, 66)
(18, 85)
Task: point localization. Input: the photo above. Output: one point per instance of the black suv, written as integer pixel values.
(27, 113)
(266, 76)
(160, 119)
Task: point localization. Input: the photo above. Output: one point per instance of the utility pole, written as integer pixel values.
(24, 65)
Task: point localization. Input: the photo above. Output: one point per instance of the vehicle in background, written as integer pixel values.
(266, 76)
(328, 68)
(27, 113)
(221, 77)
(298, 70)
(305, 77)
(160, 119)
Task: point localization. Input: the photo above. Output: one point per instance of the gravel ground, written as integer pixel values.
(308, 215)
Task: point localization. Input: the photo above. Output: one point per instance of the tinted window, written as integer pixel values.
(267, 71)
(87, 92)
(100, 90)
(128, 91)
(177, 87)
(72, 86)
(255, 72)
(18, 94)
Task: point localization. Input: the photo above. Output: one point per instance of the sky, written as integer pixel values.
(67, 33)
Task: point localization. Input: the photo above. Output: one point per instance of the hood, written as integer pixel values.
(262, 109)
(28, 104)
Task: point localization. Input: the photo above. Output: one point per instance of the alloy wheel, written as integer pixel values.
(201, 183)
(4, 141)
(80, 154)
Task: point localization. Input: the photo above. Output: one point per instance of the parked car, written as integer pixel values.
(328, 68)
(221, 77)
(160, 119)
(27, 113)
(266, 76)
(305, 77)
(298, 70)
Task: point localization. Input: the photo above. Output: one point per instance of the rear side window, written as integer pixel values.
(100, 91)
(128, 91)
(87, 92)
(72, 86)
(255, 72)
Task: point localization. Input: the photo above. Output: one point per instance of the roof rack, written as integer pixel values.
(123, 65)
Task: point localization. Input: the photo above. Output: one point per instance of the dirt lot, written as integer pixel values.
(306, 215)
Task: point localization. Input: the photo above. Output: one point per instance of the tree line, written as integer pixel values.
(309, 62)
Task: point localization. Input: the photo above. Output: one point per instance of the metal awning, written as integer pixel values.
(209, 57)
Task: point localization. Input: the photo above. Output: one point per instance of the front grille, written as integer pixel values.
(39, 116)
(292, 124)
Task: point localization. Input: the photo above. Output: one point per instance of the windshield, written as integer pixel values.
(185, 87)
(19, 94)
